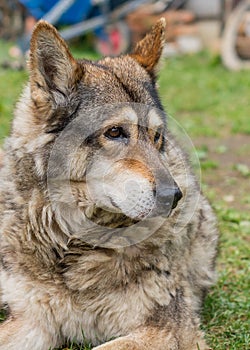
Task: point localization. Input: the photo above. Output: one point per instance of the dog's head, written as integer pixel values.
(101, 129)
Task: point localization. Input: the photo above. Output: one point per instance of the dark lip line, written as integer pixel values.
(113, 202)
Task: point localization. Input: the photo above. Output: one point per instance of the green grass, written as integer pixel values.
(205, 97)
(208, 101)
(227, 311)
(11, 83)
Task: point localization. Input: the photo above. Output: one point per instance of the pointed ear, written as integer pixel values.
(149, 50)
(51, 65)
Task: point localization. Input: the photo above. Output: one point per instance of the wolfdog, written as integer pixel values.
(105, 236)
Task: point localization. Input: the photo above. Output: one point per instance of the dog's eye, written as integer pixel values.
(157, 136)
(115, 133)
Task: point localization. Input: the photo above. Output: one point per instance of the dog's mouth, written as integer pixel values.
(112, 203)
(113, 216)
(118, 217)
(112, 220)
(106, 218)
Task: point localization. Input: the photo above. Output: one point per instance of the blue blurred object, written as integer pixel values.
(77, 12)
(106, 18)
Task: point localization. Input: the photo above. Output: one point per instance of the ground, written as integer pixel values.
(228, 169)
(213, 106)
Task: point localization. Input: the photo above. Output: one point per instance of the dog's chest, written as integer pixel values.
(111, 295)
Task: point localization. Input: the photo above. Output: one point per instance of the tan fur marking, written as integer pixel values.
(137, 167)
(122, 116)
(154, 120)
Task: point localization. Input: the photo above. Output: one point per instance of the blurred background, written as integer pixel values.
(204, 83)
(117, 25)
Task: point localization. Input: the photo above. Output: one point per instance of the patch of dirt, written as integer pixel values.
(229, 175)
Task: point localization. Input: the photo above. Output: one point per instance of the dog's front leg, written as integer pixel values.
(157, 339)
(22, 334)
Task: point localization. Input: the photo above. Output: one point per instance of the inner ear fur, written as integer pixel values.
(51, 64)
(148, 51)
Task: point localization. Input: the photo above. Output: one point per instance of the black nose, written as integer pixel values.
(169, 197)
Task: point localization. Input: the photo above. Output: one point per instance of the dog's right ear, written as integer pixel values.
(51, 65)
(149, 50)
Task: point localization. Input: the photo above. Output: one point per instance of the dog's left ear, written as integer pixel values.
(149, 50)
(51, 65)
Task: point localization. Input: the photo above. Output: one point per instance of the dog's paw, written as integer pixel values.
(121, 344)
